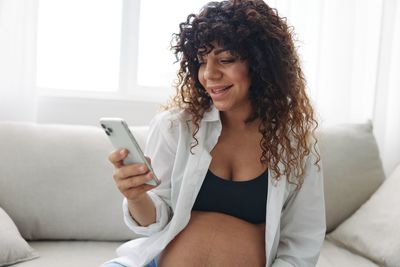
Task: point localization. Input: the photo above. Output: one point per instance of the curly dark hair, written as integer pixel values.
(256, 33)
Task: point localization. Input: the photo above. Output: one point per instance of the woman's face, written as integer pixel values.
(226, 79)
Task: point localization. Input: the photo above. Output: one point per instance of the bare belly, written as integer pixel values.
(215, 239)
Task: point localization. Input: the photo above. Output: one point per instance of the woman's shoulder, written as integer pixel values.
(171, 117)
(172, 124)
(164, 128)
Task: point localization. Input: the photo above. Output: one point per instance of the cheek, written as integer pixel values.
(241, 74)
(244, 79)
(200, 76)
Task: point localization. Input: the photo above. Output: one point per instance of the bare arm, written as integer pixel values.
(131, 181)
(143, 210)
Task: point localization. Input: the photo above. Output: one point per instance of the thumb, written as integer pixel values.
(148, 160)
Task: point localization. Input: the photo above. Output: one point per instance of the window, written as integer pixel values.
(79, 44)
(108, 46)
(155, 61)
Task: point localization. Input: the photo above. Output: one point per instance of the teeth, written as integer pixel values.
(216, 91)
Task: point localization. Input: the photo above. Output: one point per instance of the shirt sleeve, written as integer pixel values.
(303, 222)
(159, 148)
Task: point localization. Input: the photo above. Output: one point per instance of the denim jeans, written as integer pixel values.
(153, 263)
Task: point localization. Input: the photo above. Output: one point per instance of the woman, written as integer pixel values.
(235, 152)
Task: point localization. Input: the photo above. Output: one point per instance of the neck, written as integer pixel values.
(236, 120)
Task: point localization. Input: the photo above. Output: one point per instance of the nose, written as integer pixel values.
(211, 71)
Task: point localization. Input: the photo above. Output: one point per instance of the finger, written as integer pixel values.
(137, 191)
(135, 181)
(117, 156)
(148, 160)
(128, 171)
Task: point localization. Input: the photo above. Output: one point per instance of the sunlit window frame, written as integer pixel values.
(128, 88)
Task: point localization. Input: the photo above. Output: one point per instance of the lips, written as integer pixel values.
(219, 89)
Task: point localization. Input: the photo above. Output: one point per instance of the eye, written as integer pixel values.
(227, 60)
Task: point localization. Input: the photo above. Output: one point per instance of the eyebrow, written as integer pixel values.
(219, 50)
(216, 51)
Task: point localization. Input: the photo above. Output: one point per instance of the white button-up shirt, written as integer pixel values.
(295, 220)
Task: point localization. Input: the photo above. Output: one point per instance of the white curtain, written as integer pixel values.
(17, 59)
(339, 46)
(386, 115)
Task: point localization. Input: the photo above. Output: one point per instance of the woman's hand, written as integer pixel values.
(130, 179)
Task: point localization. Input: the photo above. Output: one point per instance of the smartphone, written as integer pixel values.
(121, 137)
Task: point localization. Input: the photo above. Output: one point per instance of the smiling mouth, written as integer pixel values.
(220, 90)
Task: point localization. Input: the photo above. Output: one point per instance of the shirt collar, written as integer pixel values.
(212, 115)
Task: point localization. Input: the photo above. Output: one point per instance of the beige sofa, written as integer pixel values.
(56, 186)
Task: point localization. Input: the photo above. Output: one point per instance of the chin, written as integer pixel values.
(222, 107)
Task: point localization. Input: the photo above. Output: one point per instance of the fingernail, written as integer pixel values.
(122, 152)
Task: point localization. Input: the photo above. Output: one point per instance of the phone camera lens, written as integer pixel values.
(107, 132)
(102, 125)
(110, 130)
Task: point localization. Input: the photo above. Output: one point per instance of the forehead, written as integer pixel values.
(214, 49)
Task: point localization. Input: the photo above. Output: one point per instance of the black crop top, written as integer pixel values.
(245, 200)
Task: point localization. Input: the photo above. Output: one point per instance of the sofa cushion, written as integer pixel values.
(352, 169)
(336, 256)
(373, 231)
(13, 248)
(71, 253)
(56, 182)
